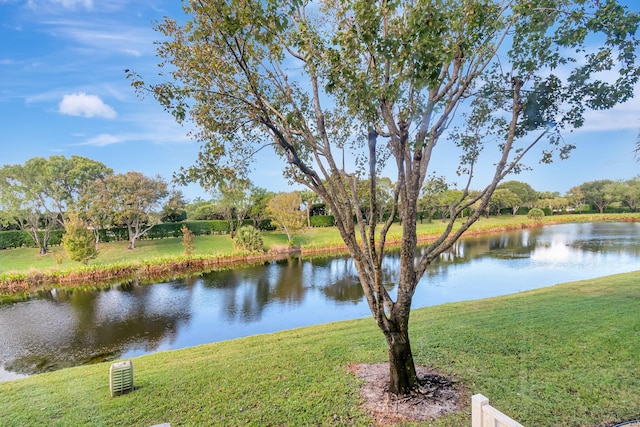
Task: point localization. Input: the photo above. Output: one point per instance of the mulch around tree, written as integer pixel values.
(436, 396)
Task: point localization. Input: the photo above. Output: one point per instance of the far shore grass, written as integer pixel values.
(566, 355)
(28, 261)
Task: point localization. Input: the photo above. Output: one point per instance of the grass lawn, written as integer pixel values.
(28, 259)
(567, 355)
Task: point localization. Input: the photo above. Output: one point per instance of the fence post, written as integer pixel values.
(477, 403)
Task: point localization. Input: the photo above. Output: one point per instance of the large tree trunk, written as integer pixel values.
(402, 370)
(132, 237)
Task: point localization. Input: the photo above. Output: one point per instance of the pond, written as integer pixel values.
(67, 328)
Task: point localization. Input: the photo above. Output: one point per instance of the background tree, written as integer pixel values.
(575, 198)
(383, 81)
(258, 199)
(174, 208)
(66, 178)
(233, 199)
(284, 209)
(38, 194)
(596, 193)
(23, 201)
(448, 202)
(201, 209)
(78, 241)
(95, 209)
(631, 194)
(556, 204)
(503, 198)
(527, 196)
(429, 202)
(308, 197)
(547, 194)
(383, 198)
(132, 199)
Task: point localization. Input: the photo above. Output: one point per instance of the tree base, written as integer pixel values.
(435, 396)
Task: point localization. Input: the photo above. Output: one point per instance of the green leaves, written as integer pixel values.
(79, 242)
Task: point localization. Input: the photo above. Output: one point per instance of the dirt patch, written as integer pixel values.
(437, 395)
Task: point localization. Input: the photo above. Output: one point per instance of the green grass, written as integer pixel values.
(28, 259)
(567, 355)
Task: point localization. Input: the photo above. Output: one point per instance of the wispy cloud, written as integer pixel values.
(105, 36)
(66, 4)
(72, 4)
(40, 5)
(103, 140)
(81, 104)
(160, 138)
(621, 117)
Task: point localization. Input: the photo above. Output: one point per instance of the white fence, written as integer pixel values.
(485, 415)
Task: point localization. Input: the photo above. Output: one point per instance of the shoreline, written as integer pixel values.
(21, 285)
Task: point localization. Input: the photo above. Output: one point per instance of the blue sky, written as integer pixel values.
(63, 92)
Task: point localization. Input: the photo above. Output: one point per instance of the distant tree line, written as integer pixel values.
(44, 197)
(517, 197)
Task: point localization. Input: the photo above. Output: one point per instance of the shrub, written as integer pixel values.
(188, 240)
(535, 214)
(248, 239)
(79, 242)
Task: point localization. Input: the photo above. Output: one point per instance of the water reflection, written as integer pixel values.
(66, 328)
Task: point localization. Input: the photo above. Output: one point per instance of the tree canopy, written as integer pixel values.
(385, 84)
(130, 199)
(284, 210)
(38, 194)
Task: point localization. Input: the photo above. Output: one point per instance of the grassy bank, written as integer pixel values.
(568, 355)
(23, 270)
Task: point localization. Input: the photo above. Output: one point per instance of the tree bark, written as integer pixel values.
(132, 237)
(402, 370)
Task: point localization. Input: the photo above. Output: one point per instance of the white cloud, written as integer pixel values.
(67, 4)
(71, 4)
(621, 117)
(81, 104)
(132, 52)
(102, 140)
(105, 35)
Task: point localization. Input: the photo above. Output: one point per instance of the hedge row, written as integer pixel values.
(17, 238)
(322, 221)
(173, 229)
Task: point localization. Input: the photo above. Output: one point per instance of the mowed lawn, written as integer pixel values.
(567, 355)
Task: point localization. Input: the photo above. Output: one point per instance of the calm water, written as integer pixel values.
(66, 328)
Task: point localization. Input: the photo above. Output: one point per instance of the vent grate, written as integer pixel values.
(121, 378)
